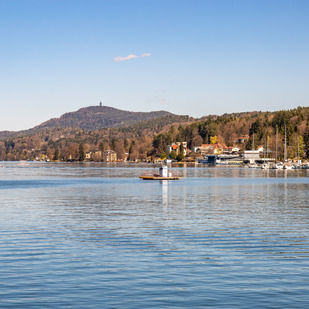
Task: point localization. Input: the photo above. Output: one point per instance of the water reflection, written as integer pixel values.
(164, 184)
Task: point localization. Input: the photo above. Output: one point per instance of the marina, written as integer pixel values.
(255, 162)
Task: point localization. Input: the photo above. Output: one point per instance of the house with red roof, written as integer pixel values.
(243, 139)
(176, 147)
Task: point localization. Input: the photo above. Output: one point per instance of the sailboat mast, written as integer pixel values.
(276, 143)
(267, 152)
(285, 144)
(253, 142)
(297, 148)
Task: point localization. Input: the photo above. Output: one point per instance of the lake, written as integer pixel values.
(94, 235)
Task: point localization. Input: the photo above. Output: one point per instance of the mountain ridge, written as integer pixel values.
(98, 117)
(93, 118)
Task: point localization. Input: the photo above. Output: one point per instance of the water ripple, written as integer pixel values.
(224, 239)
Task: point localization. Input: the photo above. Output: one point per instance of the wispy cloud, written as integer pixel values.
(129, 57)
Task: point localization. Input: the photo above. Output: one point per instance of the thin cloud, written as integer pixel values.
(129, 57)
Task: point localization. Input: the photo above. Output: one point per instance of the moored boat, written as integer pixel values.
(164, 174)
(23, 163)
(265, 166)
(287, 167)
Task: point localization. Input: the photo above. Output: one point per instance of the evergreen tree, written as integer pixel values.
(113, 144)
(56, 154)
(173, 154)
(81, 153)
(181, 154)
(101, 147)
(125, 143)
(132, 146)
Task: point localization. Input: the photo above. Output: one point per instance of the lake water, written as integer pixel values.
(97, 236)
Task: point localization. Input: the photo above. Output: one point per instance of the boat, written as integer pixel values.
(305, 165)
(265, 166)
(278, 166)
(168, 161)
(23, 163)
(287, 167)
(164, 174)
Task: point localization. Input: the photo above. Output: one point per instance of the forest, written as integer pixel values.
(148, 139)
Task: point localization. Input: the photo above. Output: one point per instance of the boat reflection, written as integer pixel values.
(164, 184)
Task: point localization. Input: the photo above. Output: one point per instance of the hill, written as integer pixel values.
(151, 137)
(154, 126)
(97, 117)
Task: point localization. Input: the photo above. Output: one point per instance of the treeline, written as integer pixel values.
(65, 145)
(150, 138)
(154, 126)
(264, 129)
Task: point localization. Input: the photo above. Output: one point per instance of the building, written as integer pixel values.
(243, 139)
(109, 156)
(203, 149)
(96, 156)
(217, 148)
(231, 150)
(251, 156)
(176, 147)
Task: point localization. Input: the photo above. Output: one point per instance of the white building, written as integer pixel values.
(251, 156)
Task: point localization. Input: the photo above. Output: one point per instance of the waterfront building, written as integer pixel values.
(109, 156)
(176, 147)
(251, 156)
(217, 148)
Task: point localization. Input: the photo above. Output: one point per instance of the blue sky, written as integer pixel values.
(190, 57)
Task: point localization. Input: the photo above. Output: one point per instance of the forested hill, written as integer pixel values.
(97, 117)
(151, 137)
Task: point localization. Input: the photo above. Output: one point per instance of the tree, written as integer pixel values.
(249, 144)
(72, 152)
(159, 143)
(101, 148)
(133, 153)
(56, 154)
(9, 145)
(119, 149)
(299, 146)
(81, 153)
(163, 155)
(197, 140)
(113, 144)
(207, 129)
(213, 139)
(125, 144)
(131, 146)
(181, 153)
